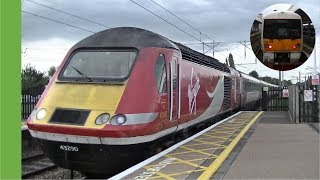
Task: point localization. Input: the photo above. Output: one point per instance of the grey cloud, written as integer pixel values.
(226, 21)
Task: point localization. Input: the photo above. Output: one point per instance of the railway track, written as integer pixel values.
(35, 165)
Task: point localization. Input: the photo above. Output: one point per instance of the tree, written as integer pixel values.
(51, 71)
(231, 61)
(275, 81)
(254, 74)
(33, 81)
(287, 82)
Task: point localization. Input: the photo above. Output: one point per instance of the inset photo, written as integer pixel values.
(282, 37)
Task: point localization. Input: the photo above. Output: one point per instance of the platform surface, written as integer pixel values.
(198, 157)
(278, 149)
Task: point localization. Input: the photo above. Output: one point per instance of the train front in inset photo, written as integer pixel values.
(282, 37)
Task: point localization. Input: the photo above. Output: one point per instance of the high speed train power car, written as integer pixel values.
(120, 92)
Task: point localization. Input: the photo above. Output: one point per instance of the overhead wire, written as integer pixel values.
(201, 33)
(73, 15)
(90, 31)
(58, 21)
(165, 20)
(187, 24)
(79, 17)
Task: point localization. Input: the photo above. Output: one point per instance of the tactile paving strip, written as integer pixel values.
(191, 159)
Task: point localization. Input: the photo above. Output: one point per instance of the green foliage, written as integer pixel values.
(275, 81)
(33, 81)
(231, 61)
(51, 71)
(270, 80)
(287, 82)
(254, 74)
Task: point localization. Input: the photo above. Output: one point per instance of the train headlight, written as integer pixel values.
(102, 118)
(268, 46)
(41, 114)
(33, 114)
(296, 46)
(118, 119)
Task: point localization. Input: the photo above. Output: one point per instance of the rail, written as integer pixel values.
(35, 165)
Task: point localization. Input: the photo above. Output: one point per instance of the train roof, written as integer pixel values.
(138, 38)
(191, 55)
(246, 76)
(268, 84)
(125, 37)
(282, 15)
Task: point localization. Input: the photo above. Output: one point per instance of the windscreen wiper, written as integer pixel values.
(82, 74)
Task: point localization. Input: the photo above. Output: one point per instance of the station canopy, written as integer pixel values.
(304, 16)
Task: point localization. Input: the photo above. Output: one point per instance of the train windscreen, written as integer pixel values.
(98, 65)
(282, 29)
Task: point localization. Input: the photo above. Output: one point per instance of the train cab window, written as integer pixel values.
(282, 29)
(161, 74)
(98, 65)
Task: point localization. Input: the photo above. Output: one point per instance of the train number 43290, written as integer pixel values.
(69, 148)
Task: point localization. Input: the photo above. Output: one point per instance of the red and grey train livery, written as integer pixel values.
(120, 92)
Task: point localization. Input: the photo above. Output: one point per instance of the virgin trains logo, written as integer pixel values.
(193, 90)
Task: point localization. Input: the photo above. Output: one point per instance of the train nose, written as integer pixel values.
(80, 104)
(84, 96)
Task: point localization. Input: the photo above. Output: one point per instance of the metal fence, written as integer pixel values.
(300, 110)
(294, 103)
(273, 99)
(28, 102)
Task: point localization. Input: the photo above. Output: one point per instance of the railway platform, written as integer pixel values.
(279, 149)
(248, 144)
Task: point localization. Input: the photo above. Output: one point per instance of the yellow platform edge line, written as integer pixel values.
(220, 159)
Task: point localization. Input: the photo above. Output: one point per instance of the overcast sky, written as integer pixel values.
(45, 43)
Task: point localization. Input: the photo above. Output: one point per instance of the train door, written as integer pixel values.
(169, 84)
(173, 89)
(162, 74)
(162, 71)
(242, 93)
(238, 92)
(234, 92)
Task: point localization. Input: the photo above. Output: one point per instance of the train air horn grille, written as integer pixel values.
(65, 116)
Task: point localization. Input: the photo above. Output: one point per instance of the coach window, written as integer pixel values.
(160, 74)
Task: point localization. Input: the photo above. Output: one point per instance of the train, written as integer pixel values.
(282, 38)
(118, 94)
